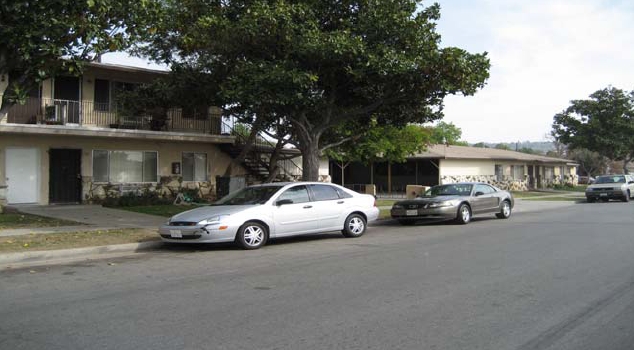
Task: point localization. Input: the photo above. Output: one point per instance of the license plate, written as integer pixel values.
(603, 194)
(412, 212)
(176, 234)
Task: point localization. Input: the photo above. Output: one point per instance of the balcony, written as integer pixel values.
(90, 114)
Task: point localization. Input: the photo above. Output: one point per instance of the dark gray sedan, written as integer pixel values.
(458, 201)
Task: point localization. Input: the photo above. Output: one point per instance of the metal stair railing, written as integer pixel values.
(261, 145)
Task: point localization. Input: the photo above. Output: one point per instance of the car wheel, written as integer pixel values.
(505, 210)
(626, 198)
(590, 200)
(464, 214)
(354, 226)
(407, 222)
(252, 235)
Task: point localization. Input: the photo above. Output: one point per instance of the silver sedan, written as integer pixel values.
(254, 214)
(458, 201)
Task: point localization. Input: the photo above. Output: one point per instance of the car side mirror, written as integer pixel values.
(284, 201)
(479, 194)
(631, 182)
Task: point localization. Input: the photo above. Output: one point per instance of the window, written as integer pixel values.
(485, 189)
(298, 194)
(324, 192)
(499, 172)
(518, 172)
(124, 166)
(194, 166)
(549, 173)
(102, 95)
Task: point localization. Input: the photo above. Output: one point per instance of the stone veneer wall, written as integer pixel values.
(168, 187)
(507, 182)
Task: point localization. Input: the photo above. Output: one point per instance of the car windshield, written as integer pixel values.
(616, 179)
(449, 190)
(249, 195)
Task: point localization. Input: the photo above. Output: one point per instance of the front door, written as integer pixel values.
(22, 178)
(65, 176)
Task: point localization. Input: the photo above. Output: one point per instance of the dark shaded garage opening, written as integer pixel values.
(389, 179)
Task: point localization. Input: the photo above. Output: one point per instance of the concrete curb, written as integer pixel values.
(51, 256)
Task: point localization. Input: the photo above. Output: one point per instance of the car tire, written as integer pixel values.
(354, 226)
(626, 198)
(590, 200)
(505, 210)
(252, 235)
(464, 214)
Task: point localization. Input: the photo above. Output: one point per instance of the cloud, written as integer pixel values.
(543, 54)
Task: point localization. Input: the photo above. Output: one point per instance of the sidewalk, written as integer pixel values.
(94, 218)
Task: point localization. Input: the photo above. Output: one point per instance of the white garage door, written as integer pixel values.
(22, 175)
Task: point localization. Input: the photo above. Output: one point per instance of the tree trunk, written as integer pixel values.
(625, 164)
(310, 160)
(274, 169)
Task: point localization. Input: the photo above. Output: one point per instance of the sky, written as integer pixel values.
(543, 53)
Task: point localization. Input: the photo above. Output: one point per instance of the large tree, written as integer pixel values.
(604, 123)
(320, 64)
(446, 133)
(43, 38)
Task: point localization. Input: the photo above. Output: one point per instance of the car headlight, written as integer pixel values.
(443, 204)
(397, 206)
(214, 220)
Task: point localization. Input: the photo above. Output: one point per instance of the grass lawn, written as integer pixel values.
(19, 220)
(385, 202)
(527, 194)
(165, 210)
(67, 240)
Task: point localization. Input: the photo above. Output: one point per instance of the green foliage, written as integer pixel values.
(604, 123)
(382, 143)
(319, 65)
(503, 146)
(446, 133)
(40, 39)
(529, 151)
(592, 163)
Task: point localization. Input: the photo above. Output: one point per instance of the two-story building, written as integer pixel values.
(72, 142)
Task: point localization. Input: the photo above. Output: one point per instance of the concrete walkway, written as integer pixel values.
(94, 217)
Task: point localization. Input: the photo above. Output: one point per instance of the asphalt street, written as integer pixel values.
(551, 279)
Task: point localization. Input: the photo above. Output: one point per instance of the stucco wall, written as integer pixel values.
(452, 167)
(168, 152)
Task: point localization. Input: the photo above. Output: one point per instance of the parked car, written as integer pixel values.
(458, 201)
(607, 187)
(585, 180)
(253, 215)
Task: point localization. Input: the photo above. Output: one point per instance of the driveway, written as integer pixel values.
(95, 215)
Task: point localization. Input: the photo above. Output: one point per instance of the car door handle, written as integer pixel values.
(308, 206)
(340, 202)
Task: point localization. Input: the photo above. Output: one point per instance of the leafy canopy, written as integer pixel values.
(319, 64)
(604, 123)
(40, 39)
